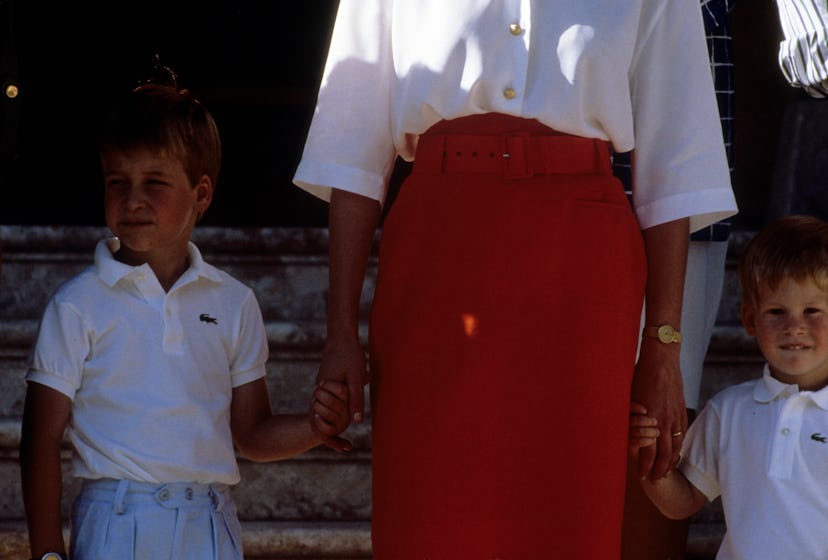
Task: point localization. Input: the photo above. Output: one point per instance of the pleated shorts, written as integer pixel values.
(131, 520)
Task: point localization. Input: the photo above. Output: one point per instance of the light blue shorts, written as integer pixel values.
(132, 520)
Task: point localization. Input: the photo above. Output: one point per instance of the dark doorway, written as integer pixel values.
(255, 65)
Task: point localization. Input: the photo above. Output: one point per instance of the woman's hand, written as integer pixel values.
(343, 361)
(330, 413)
(657, 386)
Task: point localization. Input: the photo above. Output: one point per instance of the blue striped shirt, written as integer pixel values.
(803, 55)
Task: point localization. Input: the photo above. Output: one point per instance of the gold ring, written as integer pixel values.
(677, 434)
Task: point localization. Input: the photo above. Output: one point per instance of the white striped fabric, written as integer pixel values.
(803, 55)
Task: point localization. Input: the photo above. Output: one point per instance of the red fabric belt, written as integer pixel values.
(515, 155)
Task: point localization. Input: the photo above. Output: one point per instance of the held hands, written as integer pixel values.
(657, 386)
(672, 494)
(644, 430)
(343, 368)
(329, 413)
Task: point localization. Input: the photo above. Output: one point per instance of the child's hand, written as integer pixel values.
(643, 429)
(331, 415)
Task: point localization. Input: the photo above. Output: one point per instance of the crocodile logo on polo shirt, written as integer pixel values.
(819, 437)
(205, 318)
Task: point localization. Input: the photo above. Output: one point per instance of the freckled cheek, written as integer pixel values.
(770, 325)
(767, 338)
(818, 327)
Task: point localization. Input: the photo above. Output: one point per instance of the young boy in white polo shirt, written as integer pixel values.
(762, 445)
(155, 360)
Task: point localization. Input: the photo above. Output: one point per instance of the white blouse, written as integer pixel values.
(634, 72)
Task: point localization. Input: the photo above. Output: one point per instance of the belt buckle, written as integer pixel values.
(515, 154)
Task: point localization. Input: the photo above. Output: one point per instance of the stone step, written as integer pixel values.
(274, 540)
(270, 540)
(318, 485)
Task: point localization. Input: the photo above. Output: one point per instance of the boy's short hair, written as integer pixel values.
(168, 119)
(794, 247)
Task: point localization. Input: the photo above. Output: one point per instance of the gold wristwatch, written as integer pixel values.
(664, 333)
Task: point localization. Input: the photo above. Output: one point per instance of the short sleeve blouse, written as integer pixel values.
(634, 72)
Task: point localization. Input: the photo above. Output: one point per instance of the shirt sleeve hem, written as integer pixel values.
(700, 481)
(51, 381)
(245, 377)
(319, 179)
(704, 208)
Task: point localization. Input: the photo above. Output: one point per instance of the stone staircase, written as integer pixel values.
(316, 506)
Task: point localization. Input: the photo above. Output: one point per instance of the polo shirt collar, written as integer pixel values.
(199, 268)
(112, 271)
(770, 388)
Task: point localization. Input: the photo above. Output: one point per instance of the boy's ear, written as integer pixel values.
(204, 193)
(748, 314)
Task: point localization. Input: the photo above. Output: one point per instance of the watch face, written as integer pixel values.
(666, 334)
(51, 556)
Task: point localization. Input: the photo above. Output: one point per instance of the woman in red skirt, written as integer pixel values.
(512, 272)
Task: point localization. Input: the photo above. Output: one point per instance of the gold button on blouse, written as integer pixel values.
(515, 29)
(509, 93)
(12, 91)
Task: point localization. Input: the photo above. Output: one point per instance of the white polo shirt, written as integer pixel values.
(150, 373)
(634, 72)
(763, 446)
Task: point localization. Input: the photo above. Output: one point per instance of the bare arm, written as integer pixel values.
(45, 417)
(263, 436)
(674, 496)
(353, 221)
(657, 383)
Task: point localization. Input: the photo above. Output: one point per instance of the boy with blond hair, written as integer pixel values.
(762, 445)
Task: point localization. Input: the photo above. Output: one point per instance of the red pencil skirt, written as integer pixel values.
(503, 339)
